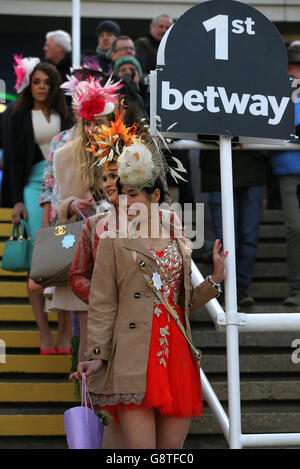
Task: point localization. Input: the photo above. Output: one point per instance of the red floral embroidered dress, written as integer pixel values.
(173, 378)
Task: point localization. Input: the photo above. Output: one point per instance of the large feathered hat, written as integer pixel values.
(139, 156)
(23, 68)
(89, 98)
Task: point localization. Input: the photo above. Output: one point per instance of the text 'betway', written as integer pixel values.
(216, 96)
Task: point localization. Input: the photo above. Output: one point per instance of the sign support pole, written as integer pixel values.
(76, 33)
(231, 315)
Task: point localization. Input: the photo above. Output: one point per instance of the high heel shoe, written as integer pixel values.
(62, 351)
(48, 352)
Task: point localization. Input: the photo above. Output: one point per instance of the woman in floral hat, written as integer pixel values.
(143, 367)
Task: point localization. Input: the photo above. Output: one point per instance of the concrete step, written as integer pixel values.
(262, 270)
(2, 245)
(272, 232)
(13, 290)
(8, 273)
(202, 315)
(256, 362)
(31, 425)
(261, 390)
(23, 339)
(21, 313)
(211, 338)
(5, 230)
(253, 421)
(36, 392)
(36, 364)
(5, 214)
(60, 442)
(272, 251)
(266, 290)
(272, 270)
(272, 216)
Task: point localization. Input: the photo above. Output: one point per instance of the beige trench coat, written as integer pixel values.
(121, 310)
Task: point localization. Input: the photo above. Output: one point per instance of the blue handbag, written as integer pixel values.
(18, 249)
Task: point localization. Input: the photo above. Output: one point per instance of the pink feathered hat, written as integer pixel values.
(23, 69)
(92, 100)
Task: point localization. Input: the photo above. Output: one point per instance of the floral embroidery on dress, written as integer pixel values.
(170, 270)
(157, 310)
(164, 344)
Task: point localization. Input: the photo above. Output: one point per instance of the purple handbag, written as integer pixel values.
(84, 430)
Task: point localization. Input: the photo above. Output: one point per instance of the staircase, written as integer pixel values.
(35, 392)
(34, 389)
(270, 381)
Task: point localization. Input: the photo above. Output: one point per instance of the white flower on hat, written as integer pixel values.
(136, 166)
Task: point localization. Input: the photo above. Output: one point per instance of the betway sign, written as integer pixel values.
(222, 70)
(216, 99)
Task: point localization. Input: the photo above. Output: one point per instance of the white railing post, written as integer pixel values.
(231, 315)
(76, 47)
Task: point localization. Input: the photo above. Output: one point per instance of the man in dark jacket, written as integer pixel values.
(147, 46)
(248, 185)
(57, 48)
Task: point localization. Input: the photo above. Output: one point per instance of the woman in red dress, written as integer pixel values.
(142, 367)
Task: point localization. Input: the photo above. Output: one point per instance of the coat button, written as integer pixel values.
(137, 294)
(96, 351)
(132, 325)
(190, 304)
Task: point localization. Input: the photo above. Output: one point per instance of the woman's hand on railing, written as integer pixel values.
(219, 262)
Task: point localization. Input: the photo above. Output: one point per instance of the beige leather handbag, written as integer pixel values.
(53, 252)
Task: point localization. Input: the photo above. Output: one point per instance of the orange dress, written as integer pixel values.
(173, 384)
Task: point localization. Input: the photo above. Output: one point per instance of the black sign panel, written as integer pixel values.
(222, 70)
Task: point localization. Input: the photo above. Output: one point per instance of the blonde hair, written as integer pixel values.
(91, 175)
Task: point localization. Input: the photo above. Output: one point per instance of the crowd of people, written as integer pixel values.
(76, 140)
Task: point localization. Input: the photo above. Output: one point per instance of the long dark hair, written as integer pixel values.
(158, 184)
(56, 99)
